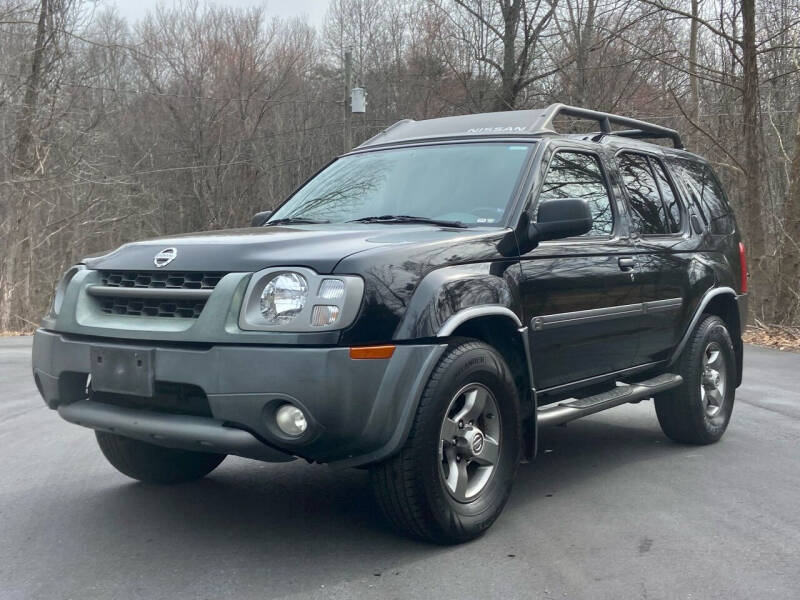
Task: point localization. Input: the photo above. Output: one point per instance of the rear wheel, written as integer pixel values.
(453, 476)
(699, 410)
(155, 464)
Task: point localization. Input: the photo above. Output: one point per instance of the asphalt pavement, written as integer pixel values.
(611, 509)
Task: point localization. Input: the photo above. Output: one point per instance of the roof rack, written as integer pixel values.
(517, 123)
(640, 129)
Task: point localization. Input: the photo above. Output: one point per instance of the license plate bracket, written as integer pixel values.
(126, 371)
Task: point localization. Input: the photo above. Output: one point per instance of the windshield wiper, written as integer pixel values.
(408, 219)
(294, 221)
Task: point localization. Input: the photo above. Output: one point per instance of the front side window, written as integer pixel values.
(472, 183)
(578, 175)
(645, 182)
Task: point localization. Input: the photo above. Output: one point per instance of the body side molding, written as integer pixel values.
(594, 315)
(584, 316)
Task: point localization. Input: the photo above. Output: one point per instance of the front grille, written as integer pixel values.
(186, 280)
(151, 307)
(149, 302)
(172, 398)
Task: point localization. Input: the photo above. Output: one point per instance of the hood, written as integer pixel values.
(319, 247)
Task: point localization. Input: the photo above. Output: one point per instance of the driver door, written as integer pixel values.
(581, 300)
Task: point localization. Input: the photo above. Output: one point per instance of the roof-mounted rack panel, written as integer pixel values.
(514, 123)
(639, 129)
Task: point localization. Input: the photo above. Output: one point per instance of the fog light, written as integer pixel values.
(291, 420)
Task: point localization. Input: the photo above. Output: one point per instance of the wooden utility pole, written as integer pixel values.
(348, 114)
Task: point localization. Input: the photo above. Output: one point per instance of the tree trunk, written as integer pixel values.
(583, 42)
(790, 308)
(695, 99)
(23, 151)
(754, 196)
(507, 99)
(14, 273)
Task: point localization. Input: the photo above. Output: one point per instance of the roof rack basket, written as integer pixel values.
(639, 129)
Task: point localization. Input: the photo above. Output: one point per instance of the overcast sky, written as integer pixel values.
(133, 10)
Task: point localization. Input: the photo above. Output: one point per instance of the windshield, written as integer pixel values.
(470, 183)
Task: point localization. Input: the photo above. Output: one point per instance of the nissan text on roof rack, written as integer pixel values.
(422, 307)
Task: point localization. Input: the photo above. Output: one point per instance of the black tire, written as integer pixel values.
(155, 464)
(411, 487)
(683, 414)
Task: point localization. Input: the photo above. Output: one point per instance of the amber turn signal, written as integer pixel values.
(371, 352)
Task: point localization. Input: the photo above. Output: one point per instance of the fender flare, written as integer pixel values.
(698, 313)
(475, 312)
(449, 296)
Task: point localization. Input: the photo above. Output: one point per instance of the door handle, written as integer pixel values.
(627, 264)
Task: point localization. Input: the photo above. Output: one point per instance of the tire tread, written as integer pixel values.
(680, 418)
(155, 464)
(396, 486)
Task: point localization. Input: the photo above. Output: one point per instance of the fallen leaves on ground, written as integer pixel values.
(774, 336)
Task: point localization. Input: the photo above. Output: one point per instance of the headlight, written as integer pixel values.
(300, 300)
(283, 298)
(61, 289)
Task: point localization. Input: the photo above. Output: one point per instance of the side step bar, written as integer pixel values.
(569, 410)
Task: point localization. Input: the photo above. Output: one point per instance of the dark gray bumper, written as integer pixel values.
(173, 431)
(741, 303)
(359, 411)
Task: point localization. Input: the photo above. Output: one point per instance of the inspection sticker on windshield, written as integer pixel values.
(516, 148)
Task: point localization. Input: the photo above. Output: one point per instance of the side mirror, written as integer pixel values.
(260, 218)
(560, 218)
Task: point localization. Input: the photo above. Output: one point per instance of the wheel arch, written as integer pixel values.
(501, 329)
(721, 302)
(447, 297)
(725, 307)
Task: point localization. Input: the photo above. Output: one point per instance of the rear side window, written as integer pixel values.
(668, 195)
(651, 214)
(705, 189)
(578, 175)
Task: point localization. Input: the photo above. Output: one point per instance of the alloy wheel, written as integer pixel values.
(469, 443)
(713, 380)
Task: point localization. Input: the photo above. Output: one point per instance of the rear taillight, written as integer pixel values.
(743, 268)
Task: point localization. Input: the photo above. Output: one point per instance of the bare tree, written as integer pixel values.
(200, 115)
(506, 35)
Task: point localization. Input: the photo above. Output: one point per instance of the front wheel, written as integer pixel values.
(699, 410)
(453, 476)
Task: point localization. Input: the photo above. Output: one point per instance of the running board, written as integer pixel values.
(570, 410)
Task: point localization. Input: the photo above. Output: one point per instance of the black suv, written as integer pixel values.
(421, 307)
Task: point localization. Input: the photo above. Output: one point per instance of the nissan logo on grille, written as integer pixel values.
(166, 256)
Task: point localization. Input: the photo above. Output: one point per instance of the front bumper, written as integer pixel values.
(359, 411)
